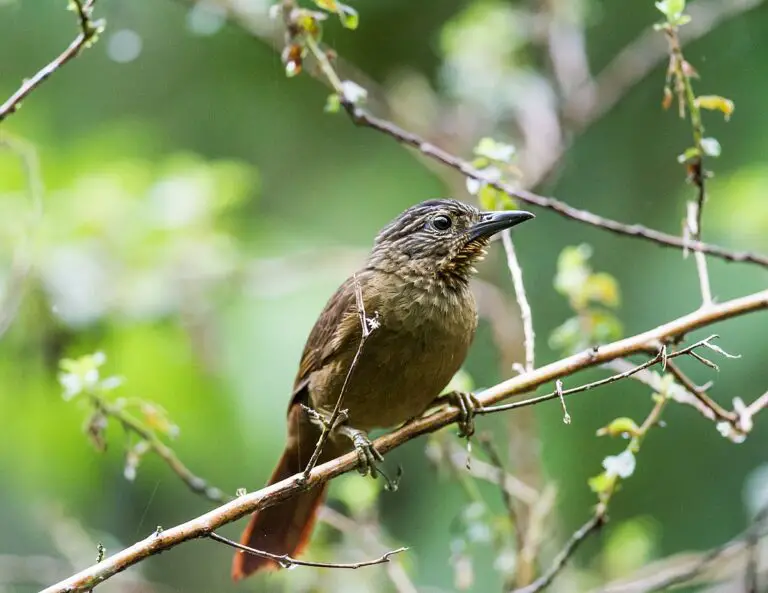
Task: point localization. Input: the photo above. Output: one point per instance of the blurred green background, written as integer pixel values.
(199, 208)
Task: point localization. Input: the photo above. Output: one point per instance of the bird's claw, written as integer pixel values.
(369, 459)
(367, 454)
(468, 406)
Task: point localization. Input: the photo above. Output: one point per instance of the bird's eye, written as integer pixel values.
(442, 222)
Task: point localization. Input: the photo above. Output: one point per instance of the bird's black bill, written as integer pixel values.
(493, 222)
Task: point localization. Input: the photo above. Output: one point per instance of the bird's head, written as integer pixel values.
(440, 238)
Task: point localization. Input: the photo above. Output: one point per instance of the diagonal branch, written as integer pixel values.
(89, 31)
(560, 393)
(204, 525)
(130, 423)
(579, 536)
(361, 117)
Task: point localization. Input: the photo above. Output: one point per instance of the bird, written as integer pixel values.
(419, 320)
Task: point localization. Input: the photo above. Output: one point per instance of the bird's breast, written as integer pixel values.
(420, 340)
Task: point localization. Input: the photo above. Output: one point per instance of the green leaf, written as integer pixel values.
(329, 5)
(490, 198)
(689, 154)
(603, 327)
(711, 147)
(602, 483)
(348, 16)
(672, 9)
(716, 103)
(573, 273)
(494, 150)
(568, 336)
(619, 427)
(332, 103)
(602, 288)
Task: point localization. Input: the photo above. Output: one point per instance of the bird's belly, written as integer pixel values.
(398, 374)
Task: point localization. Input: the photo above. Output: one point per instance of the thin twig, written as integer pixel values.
(132, 424)
(694, 210)
(362, 118)
(695, 164)
(757, 405)
(370, 534)
(522, 299)
(561, 393)
(286, 561)
(366, 327)
(486, 443)
(594, 98)
(244, 505)
(701, 395)
(592, 526)
(89, 31)
(540, 511)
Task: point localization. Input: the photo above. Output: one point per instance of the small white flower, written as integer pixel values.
(725, 429)
(353, 92)
(72, 385)
(112, 383)
(99, 358)
(621, 465)
(90, 378)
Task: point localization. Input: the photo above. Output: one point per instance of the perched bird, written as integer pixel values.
(416, 286)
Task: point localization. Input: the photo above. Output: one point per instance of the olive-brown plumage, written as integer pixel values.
(416, 283)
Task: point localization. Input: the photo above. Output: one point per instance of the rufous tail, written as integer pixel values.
(285, 527)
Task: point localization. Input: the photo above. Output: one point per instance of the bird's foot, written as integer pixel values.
(468, 406)
(369, 459)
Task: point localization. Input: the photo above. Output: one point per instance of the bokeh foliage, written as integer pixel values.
(200, 207)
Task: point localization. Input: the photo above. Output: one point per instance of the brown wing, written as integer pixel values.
(337, 325)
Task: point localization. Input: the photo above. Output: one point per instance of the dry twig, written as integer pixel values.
(516, 272)
(366, 327)
(370, 535)
(560, 393)
(578, 537)
(287, 561)
(132, 424)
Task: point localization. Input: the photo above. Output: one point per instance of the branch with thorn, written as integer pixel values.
(205, 524)
(559, 393)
